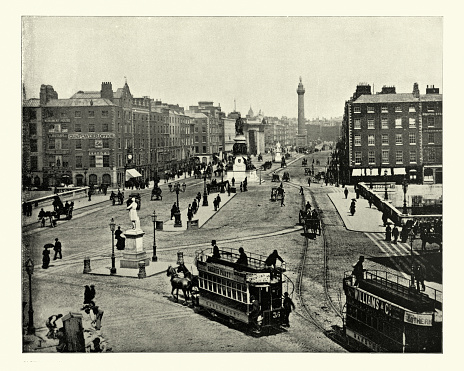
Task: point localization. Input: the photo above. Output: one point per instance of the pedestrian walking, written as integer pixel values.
(218, 198)
(215, 203)
(194, 206)
(45, 257)
(388, 233)
(233, 182)
(97, 316)
(395, 234)
(57, 249)
(120, 241)
(90, 195)
(228, 189)
(254, 313)
(358, 271)
(173, 209)
(189, 213)
(241, 187)
(89, 295)
(282, 199)
(301, 190)
(423, 237)
(288, 305)
(199, 198)
(345, 192)
(309, 182)
(370, 201)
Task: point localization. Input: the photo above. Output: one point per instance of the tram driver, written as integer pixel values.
(255, 312)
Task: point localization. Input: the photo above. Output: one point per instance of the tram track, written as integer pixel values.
(307, 313)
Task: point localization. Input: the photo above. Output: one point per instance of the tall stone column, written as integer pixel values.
(301, 141)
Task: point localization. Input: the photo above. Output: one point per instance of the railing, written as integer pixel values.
(396, 283)
(255, 261)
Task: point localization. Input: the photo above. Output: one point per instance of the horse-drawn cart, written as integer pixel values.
(276, 193)
(156, 192)
(286, 176)
(311, 222)
(275, 177)
(304, 162)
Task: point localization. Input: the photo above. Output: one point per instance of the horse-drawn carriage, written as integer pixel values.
(156, 192)
(286, 176)
(62, 210)
(275, 177)
(304, 162)
(310, 222)
(267, 165)
(276, 193)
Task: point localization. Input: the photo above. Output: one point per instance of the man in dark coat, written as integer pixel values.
(346, 192)
(216, 253)
(395, 234)
(388, 232)
(358, 271)
(255, 312)
(243, 258)
(194, 206)
(272, 259)
(173, 210)
(57, 249)
(419, 274)
(287, 305)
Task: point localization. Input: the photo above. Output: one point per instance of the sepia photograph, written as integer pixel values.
(231, 184)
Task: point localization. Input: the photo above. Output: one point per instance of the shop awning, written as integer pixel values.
(356, 172)
(399, 171)
(132, 173)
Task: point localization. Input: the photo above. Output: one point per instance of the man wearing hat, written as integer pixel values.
(57, 249)
(358, 270)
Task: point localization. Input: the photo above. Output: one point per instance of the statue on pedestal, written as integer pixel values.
(239, 126)
(133, 214)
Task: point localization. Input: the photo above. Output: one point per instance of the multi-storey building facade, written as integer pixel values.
(94, 136)
(383, 134)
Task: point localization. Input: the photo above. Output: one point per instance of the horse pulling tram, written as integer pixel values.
(385, 313)
(226, 289)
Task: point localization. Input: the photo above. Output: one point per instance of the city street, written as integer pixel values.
(141, 315)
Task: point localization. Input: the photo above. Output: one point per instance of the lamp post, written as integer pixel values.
(177, 188)
(205, 194)
(124, 177)
(112, 228)
(85, 177)
(405, 189)
(30, 271)
(154, 258)
(386, 190)
(370, 175)
(411, 238)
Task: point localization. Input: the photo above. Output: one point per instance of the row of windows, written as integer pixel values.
(385, 157)
(224, 287)
(93, 161)
(386, 139)
(384, 123)
(398, 108)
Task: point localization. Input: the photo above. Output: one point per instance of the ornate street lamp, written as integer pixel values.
(30, 271)
(112, 228)
(85, 177)
(177, 188)
(405, 189)
(205, 194)
(386, 190)
(154, 258)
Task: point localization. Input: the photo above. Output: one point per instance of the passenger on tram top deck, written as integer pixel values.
(216, 253)
(272, 259)
(243, 259)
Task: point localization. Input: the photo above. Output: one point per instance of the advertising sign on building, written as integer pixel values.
(98, 143)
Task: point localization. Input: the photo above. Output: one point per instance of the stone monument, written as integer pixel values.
(134, 251)
(240, 170)
(277, 156)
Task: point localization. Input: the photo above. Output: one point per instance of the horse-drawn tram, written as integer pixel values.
(228, 289)
(384, 313)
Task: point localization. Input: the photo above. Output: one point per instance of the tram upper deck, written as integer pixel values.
(229, 256)
(398, 290)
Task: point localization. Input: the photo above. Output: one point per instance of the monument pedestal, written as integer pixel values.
(134, 251)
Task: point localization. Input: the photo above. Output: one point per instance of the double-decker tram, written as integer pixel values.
(385, 313)
(227, 288)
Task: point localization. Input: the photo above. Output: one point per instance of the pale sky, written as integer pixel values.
(255, 60)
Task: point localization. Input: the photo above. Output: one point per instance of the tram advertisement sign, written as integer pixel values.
(418, 318)
(226, 272)
(259, 278)
(378, 304)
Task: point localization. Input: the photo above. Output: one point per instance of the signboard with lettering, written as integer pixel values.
(418, 319)
(92, 136)
(223, 271)
(98, 143)
(376, 303)
(98, 153)
(259, 278)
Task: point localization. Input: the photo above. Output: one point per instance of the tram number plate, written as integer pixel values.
(307, 171)
(275, 314)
